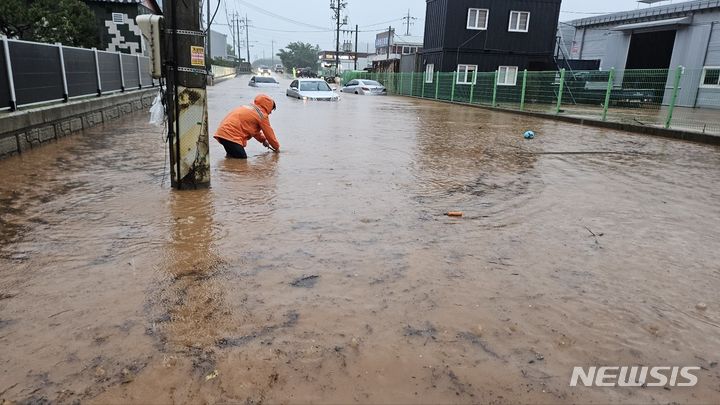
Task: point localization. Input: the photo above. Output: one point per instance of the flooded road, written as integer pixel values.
(329, 273)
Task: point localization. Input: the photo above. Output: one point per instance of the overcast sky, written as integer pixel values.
(285, 21)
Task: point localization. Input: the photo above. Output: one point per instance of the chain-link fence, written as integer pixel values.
(682, 99)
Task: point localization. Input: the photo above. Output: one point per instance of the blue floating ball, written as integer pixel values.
(529, 134)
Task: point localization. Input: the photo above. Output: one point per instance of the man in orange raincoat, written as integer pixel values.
(248, 121)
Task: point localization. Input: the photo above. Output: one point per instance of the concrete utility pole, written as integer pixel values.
(186, 97)
(390, 35)
(337, 6)
(237, 32)
(272, 52)
(408, 22)
(356, 45)
(208, 37)
(247, 36)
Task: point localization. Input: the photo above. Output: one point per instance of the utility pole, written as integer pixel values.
(390, 37)
(247, 37)
(272, 53)
(186, 97)
(237, 33)
(208, 36)
(356, 45)
(337, 6)
(408, 22)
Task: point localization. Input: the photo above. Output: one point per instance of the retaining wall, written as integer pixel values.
(28, 129)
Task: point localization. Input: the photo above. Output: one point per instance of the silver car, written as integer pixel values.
(263, 81)
(312, 89)
(365, 87)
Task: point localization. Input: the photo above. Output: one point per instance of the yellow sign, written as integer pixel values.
(197, 56)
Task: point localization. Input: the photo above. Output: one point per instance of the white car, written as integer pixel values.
(369, 87)
(263, 81)
(312, 89)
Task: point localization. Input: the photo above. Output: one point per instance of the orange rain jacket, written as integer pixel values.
(250, 121)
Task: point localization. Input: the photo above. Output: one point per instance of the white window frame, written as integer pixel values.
(118, 18)
(476, 23)
(702, 80)
(429, 73)
(507, 69)
(517, 28)
(466, 70)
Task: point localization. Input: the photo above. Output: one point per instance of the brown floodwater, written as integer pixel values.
(329, 273)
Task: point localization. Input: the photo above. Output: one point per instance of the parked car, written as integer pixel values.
(279, 68)
(369, 87)
(312, 89)
(263, 81)
(306, 73)
(264, 71)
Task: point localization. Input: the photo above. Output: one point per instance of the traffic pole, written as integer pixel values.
(186, 73)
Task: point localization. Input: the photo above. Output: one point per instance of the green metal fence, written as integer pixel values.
(664, 98)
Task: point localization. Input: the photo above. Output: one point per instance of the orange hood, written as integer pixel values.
(265, 103)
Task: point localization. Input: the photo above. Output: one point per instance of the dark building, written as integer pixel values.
(115, 20)
(489, 35)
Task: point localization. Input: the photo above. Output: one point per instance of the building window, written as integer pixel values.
(466, 74)
(507, 75)
(519, 21)
(429, 73)
(477, 18)
(117, 18)
(711, 77)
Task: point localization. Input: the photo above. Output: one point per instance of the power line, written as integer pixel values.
(278, 16)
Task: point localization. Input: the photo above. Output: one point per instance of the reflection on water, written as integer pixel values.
(142, 294)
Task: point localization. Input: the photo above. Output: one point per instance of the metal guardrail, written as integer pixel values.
(34, 73)
(665, 98)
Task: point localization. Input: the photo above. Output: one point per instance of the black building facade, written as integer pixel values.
(116, 27)
(489, 35)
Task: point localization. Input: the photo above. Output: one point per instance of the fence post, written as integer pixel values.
(137, 56)
(437, 84)
(97, 72)
(122, 74)
(608, 93)
(524, 88)
(472, 86)
(10, 79)
(452, 93)
(412, 83)
(494, 100)
(560, 91)
(66, 94)
(673, 98)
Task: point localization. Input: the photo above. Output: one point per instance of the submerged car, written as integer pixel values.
(369, 87)
(263, 81)
(312, 89)
(279, 68)
(264, 71)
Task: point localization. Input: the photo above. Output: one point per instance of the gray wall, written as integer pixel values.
(696, 46)
(218, 45)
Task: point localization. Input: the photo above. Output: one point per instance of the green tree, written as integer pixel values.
(299, 54)
(69, 22)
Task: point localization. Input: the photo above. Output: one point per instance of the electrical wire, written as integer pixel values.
(213, 16)
(278, 16)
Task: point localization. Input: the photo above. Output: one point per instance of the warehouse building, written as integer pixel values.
(675, 35)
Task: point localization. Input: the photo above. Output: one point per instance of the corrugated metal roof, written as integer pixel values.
(678, 9)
